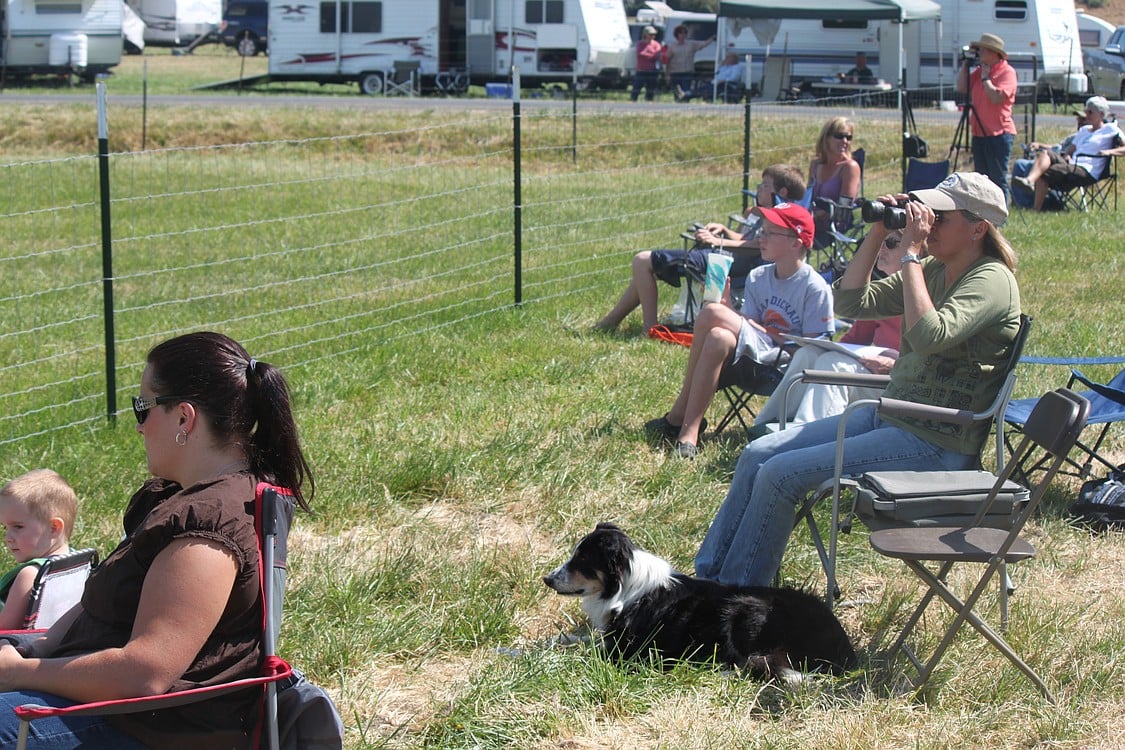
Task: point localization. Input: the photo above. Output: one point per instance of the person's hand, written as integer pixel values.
(878, 365)
(920, 220)
(985, 70)
(707, 237)
(716, 228)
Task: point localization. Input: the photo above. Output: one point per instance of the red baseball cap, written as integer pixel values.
(790, 216)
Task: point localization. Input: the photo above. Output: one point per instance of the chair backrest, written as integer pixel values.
(273, 515)
(775, 76)
(1053, 426)
(404, 70)
(860, 155)
(923, 175)
(58, 587)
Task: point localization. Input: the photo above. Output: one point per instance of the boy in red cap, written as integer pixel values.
(786, 295)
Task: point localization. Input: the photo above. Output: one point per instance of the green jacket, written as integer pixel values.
(955, 355)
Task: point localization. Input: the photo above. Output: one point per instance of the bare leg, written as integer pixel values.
(1042, 161)
(1041, 188)
(641, 291)
(716, 334)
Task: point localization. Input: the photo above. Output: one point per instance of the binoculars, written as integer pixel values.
(892, 217)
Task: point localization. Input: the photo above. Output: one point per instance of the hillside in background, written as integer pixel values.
(1112, 11)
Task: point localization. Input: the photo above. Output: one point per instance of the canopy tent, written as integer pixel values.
(875, 10)
(764, 16)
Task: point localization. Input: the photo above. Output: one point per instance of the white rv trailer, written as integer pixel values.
(1093, 32)
(81, 36)
(1045, 31)
(174, 23)
(360, 41)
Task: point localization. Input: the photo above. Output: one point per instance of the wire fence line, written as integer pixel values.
(308, 249)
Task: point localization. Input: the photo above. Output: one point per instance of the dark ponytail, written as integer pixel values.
(246, 403)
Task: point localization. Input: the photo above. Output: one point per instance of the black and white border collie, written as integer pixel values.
(639, 603)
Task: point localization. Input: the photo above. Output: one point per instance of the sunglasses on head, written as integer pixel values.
(842, 136)
(141, 406)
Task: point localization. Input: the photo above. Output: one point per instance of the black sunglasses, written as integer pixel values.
(842, 136)
(891, 242)
(141, 405)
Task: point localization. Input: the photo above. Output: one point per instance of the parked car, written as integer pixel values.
(246, 26)
(1105, 67)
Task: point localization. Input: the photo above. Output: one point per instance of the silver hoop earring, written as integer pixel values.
(181, 437)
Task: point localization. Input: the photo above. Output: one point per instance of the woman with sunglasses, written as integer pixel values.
(833, 174)
(960, 311)
(177, 604)
(873, 348)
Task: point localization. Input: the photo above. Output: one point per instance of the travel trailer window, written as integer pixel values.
(358, 18)
(837, 23)
(50, 9)
(544, 11)
(1011, 10)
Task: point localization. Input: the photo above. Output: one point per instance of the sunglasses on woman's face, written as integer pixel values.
(892, 242)
(842, 136)
(141, 406)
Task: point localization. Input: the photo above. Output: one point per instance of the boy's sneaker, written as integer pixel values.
(686, 450)
(662, 430)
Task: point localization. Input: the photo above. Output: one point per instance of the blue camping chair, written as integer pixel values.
(1107, 407)
(923, 175)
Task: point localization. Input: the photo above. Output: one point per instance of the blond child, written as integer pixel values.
(37, 511)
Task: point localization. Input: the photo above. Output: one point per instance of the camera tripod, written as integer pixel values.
(962, 138)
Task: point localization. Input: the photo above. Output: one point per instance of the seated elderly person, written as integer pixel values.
(730, 79)
(1083, 162)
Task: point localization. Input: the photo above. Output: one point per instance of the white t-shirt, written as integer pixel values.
(800, 305)
(1088, 142)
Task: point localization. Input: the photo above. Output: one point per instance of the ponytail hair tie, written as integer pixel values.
(252, 364)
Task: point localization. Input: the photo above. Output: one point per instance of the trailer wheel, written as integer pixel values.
(371, 83)
(248, 45)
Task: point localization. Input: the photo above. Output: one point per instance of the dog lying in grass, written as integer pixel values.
(640, 604)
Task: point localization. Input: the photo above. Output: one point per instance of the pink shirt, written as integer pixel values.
(884, 332)
(988, 118)
(648, 54)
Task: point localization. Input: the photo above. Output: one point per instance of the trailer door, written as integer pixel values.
(480, 41)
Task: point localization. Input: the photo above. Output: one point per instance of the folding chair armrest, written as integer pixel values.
(274, 670)
(1113, 394)
(854, 379)
(830, 377)
(897, 408)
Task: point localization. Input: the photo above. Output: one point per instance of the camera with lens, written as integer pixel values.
(892, 217)
(970, 53)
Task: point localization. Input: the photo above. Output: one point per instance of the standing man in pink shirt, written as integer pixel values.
(991, 86)
(649, 52)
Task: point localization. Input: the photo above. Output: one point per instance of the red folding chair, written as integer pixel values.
(273, 513)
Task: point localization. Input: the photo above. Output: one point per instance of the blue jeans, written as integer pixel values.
(649, 79)
(990, 157)
(747, 539)
(85, 732)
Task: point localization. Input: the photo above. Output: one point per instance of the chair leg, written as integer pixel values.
(827, 564)
(965, 613)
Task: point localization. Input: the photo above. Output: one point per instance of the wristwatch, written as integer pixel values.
(910, 258)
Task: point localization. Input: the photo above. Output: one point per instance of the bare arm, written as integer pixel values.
(184, 595)
(14, 614)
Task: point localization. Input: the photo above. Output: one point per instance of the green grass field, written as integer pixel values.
(456, 465)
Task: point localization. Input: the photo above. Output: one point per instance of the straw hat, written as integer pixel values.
(992, 42)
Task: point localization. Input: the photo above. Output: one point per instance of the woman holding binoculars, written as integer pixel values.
(960, 309)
